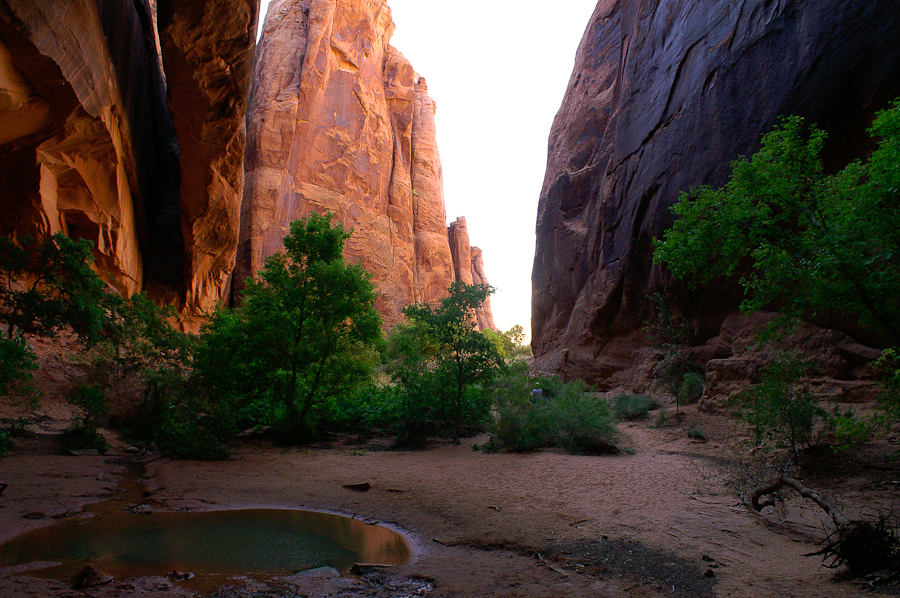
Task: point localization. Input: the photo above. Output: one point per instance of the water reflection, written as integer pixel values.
(240, 542)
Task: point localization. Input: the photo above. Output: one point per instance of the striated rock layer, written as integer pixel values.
(82, 127)
(87, 141)
(339, 121)
(662, 98)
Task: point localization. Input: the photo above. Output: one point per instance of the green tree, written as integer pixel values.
(141, 335)
(808, 243)
(802, 241)
(510, 343)
(462, 357)
(44, 286)
(408, 354)
(303, 332)
(50, 284)
(780, 409)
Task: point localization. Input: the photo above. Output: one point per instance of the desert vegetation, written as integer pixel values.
(814, 246)
(302, 355)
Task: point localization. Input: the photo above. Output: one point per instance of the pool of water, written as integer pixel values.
(240, 542)
(247, 542)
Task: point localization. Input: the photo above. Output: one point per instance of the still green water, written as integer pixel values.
(239, 542)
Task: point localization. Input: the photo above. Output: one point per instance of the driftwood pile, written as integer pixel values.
(870, 548)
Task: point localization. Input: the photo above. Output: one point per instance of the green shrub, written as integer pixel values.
(572, 419)
(521, 425)
(6, 442)
(691, 388)
(632, 407)
(181, 421)
(185, 431)
(17, 361)
(780, 409)
(696, 433)
(82, 438)
(664, 418)
(584, 424)
(93, 406)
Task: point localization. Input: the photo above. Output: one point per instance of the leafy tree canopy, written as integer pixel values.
(462, 357)
(45, 285)
(509, 344)
(803, 241)
(304, 330)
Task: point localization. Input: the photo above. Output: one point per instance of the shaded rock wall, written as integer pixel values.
(339, 121)
(664, 95)
(208, 49)
(87, 145)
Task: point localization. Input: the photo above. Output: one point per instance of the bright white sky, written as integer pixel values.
(497, 70)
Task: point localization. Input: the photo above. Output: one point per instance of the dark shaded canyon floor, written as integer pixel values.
(663, 521)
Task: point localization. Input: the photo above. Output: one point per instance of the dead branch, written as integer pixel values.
(758, 503)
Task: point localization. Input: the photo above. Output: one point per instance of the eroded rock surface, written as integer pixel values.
(468, 267)
(208, 48)
(81, 123)
(339, 121)
(124, 123)
(87, 142)
(662, 98)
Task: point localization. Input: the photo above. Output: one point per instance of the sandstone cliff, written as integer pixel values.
(124, 123)
(339, 121)
(208, 49)
(469, 268)
(662, 98)
(87, 141)
(82, 130)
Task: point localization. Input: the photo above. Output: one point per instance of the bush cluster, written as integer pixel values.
(632, 407)
(561, 415)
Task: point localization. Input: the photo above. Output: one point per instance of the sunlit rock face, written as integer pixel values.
(87, 145)
(468, 267)
(339, 121)
(208, 49)
(664, 95)
(80, 110)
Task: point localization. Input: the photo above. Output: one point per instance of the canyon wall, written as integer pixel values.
(88, 145)
(208, 49)
(663, 96)
(124, 123)
(339, 121)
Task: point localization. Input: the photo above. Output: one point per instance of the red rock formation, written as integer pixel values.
(87, 141)
(207, 47)
(123, 122)
(468, 267)
(484, 316)
(339, 121)
(80, 127)
(662, 100)
(458, 232)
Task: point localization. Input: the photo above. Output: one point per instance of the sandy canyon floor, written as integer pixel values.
(661, 521)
